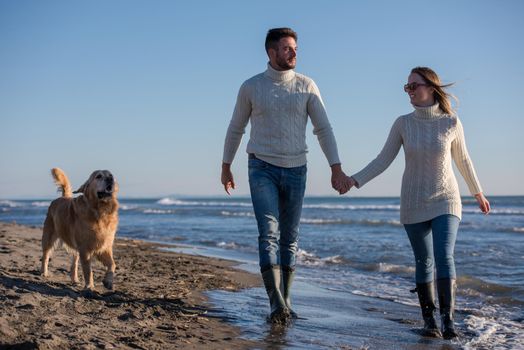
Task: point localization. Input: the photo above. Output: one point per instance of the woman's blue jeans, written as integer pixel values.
(277, 194)
(433, 244)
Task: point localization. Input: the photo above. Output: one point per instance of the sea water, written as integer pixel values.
(355, 267)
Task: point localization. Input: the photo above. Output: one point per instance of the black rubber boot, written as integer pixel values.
(446, 299)
(426, 297)
(288, 275)
(279, 311)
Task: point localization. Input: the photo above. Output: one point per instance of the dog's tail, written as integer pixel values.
(62, 182)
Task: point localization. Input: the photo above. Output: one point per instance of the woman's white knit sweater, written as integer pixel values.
(278, 104)
(429, 188)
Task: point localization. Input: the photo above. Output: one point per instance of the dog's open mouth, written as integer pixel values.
(104, 194)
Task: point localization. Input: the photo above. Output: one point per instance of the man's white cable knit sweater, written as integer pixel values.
(278, 104)
(430, 140)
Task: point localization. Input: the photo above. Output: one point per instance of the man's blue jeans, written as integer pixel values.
(277, 194)
(433, 241)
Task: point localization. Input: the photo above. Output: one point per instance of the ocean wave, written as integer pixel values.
(241, 213)
(397, 269)
(127, 207)
(171, 201)
(495, 211)
(319, 221)
(487, 288)
(512, 229)
(364, 222)
(10, 204)
(227, 245)
(157, 211)
(309, 259)
(493, 332)
(352, 207)
(386, 291)
(469, 201)
(167, 201)
(385, 268)
(334, 260)
(41, 204)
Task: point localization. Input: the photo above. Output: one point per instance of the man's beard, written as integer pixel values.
(284, 64)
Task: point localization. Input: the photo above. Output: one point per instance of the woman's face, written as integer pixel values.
(420, 94)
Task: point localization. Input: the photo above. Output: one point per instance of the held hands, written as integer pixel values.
(339, 180)
(227, 178)
(483, 203)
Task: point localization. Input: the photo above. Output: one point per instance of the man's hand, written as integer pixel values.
(227, 178)
(340, 181)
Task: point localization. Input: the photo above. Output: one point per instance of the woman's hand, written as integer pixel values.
(483, 203)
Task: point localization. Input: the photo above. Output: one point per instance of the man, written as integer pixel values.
(278, 102)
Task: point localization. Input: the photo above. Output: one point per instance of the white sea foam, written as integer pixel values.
(320, 221)
(380, 222)
(157, 211)
(365, 222)
(384, 288)
(127, 207)
(227, 245)
(10, 204)
(493, 332)
(230, 213)
(41, 204)
(385, 267)
(352, 207)
(171, 201)
(511, 229)
(494, 211)
(335, 259)
(167, 201)
(306, 258)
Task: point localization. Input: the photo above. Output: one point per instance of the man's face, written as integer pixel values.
(285, 57)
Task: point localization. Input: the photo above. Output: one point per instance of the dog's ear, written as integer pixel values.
(83, 188)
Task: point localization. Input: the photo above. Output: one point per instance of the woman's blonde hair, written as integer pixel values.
(439, 94)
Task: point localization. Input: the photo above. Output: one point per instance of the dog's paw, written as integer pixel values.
(108, 284)
(88, 293)
(108, 280)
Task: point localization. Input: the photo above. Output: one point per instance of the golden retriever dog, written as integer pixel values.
(86, 224)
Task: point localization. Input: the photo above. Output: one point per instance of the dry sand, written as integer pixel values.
(157, 301)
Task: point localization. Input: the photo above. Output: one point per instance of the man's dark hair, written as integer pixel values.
(274, 35)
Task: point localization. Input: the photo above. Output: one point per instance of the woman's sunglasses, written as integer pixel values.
(413, 86)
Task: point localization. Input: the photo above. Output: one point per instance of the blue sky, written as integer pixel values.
(146, 89)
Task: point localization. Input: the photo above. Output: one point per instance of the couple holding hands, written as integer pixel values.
(278, 102)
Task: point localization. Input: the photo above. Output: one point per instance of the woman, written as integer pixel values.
(430, 207)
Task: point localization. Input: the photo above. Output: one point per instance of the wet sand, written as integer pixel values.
(157, 301)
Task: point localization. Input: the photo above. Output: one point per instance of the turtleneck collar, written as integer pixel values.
(278, 75)
(430, 112)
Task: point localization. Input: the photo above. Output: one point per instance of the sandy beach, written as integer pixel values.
(157, 301)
